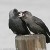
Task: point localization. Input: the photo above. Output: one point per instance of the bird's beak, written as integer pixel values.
(21, 14)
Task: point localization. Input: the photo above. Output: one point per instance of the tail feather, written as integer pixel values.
(47, 40)
(47, 37)
(48, 33)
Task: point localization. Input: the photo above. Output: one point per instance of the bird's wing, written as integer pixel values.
(40, 23)
(16, 25)
(12, 25)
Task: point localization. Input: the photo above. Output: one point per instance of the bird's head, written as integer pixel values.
(25, 15)
(14, 13)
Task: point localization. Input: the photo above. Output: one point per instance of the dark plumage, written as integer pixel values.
(16, 24)
(36, 25)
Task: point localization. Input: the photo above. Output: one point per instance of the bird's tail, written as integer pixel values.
(48, 33)
(47, 40)
(48, 37)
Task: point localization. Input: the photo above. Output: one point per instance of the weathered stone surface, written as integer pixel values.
(30, 42)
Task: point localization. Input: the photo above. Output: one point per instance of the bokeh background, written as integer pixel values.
(39, 8)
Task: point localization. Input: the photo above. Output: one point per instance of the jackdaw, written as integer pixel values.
(17, 25)
(35, 25)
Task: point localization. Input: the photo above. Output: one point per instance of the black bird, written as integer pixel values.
(35, 25)
(16, 24)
